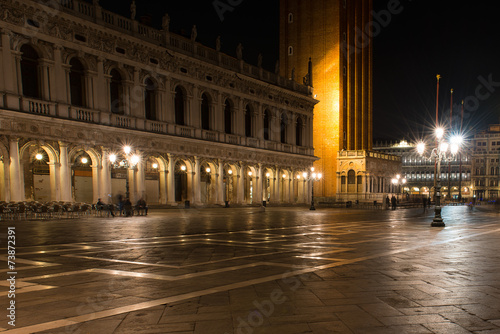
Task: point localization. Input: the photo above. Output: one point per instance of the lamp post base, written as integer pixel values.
(312, 207)
(437, 222)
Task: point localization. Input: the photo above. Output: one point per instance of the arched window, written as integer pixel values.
(267, 124)
(283, 122)
(116, 92)
(205, 112)
(150, 100)
(351, 177)
(228, 115)
(298, 132)
(77, 83)
(180, 101)
(29, 72)
(248, 121)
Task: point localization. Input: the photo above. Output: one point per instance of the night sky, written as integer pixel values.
(454, 39)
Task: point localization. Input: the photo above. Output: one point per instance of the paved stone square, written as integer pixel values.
(246, 270)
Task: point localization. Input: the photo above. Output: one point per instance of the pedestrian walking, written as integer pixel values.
(387, 202)
(127, 208)
(120, 204)
(393, 202)
(424, 203)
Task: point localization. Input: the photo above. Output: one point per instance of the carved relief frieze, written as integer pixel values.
(12, 15)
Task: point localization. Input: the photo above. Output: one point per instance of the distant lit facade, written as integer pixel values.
(419, 172)
(485, 163)
(77, 83)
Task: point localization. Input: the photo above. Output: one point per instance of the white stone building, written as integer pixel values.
(78, 83)
(485, 164)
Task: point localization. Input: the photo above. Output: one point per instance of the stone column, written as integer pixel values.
(16, 183)
(65, 174)
(105, 189)
(220, 184)
(61, 93)
(171, 181)
(239, 118)
(96, 190)
(258, 180)
(277, 182)
(240, 198)
(127, 100)
(137, 107)
(9, 67)
(218, 113)
(55, 191)
(46, 79)
(163, 185)
(101, 88)
(132, 185)
(195, 107)
(141, 181)
(197, 181)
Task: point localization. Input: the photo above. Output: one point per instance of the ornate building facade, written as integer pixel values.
(79, 83)
(485, 164)
(419, 172)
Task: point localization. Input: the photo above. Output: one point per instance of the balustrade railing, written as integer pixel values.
(37, 106)
(210, 135)
(156, 127)
(123, 121)
(85, 115)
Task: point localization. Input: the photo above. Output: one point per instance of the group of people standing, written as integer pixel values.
(124, 207)
(393, 202)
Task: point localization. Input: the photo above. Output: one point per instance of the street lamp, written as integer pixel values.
(398, 181)
(440, 152)
(312, 177)
(130, 161)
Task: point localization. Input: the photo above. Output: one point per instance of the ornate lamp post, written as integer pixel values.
(312, 177)
(129, 161)
(440, 153)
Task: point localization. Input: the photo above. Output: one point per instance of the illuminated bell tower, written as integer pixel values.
(335, 34)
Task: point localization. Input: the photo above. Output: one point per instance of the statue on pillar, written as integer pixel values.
(165, 22)
(194, 33)
(133, 10)
(239, 51)
(217, 44)
(277, 67)
(293, 74)
(259, 60)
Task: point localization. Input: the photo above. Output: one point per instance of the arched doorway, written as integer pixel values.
(152, 180)
(250, 185)
(207, 183)
(230, 184)
(181, 181)
(82, 178)
(267, 184)
(39, 168)
(37, 176)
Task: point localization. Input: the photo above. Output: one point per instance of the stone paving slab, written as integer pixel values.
(244, 270)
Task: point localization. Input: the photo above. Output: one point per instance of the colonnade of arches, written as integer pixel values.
(57, 171)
